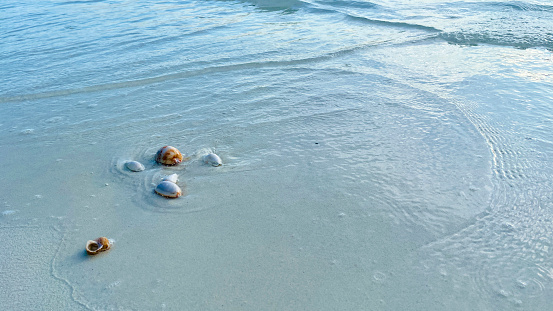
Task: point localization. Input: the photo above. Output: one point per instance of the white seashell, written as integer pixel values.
(168, 155)
(134, 166)
(172, 178)
(168, 189)
(212, 159)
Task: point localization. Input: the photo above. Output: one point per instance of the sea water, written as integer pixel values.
(382, 155)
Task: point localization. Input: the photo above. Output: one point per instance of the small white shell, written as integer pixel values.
(212, 159)
(168, 189)
(172, 178)
(134, 166)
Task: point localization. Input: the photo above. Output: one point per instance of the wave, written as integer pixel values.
(279, 5)
(522, 41)
(369, 13)
(523, 6)
(516, 23)
(399, 24)
(79, 2)
(198, 72)
(353, 4)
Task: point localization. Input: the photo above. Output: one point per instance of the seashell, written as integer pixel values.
(168, 155)
(134, 166)
(212, 159)
(99, 245)
(168, 189)
(172, 178)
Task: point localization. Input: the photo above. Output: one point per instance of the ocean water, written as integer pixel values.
(378, 155)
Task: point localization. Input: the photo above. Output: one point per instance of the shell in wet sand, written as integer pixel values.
(134, 166)
(212, 159)
(172, 178)
(168, 155)
(97, 246)
(168, 189)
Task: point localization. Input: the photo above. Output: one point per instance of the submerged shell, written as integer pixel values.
(168, 155)
(213, 159)
(172, 178)
(168, 189)
(134, 166)
(99, 245)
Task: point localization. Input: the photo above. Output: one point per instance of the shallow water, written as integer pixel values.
(380, 155)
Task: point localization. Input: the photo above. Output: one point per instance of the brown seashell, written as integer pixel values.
(99, 245)
(168, 155)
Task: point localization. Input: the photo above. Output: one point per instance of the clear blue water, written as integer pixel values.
(383, 155)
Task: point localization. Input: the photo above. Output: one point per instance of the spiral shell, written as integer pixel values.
(94, 247)
(168, 155)
(134, 166)
(168, 189)
(212, 159)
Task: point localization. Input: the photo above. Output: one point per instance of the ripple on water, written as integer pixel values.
(507, 255)
(379, 277)
(522, 284)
